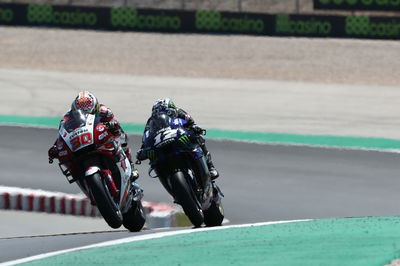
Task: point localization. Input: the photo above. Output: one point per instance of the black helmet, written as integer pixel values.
(165, 105)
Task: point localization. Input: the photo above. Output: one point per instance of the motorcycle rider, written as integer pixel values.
(89, 104)
(166, 105)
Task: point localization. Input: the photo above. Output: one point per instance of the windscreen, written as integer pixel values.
(76, 119)
(159, 121)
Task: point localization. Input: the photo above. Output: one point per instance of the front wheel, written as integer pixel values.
(135, 217)
(214, 215)
(184, 195)
(104, 201)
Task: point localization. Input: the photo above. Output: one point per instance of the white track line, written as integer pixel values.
(139, 238)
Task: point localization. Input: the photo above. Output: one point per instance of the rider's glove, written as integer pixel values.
(53, 153)
(198, 130)
(114, 127)
(141, 155)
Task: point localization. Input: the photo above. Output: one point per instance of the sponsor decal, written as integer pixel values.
(310, 26)
(6, 15)
(46, 14)
(184, 140)
(63, 153)
(387, 27)
(131, 18)
(78, 132)
(363, 26)
(103, 135)
(216, 21)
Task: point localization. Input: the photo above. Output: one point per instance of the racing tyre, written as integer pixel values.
(135, 218)
(185, 197)
(104, 201)
(214, 215)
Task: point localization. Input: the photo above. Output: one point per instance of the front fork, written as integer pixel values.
(207, 195)
(211, 190)
(218, 195)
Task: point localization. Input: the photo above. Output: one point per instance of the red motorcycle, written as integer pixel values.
(92, 157)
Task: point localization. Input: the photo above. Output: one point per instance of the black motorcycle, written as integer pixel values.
(178, 161)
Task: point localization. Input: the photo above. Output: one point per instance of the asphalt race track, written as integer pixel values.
(260, 182)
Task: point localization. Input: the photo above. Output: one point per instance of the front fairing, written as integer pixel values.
(170, 142)
(162, 143)
(178, 123)
(77, 130)
(161, 124)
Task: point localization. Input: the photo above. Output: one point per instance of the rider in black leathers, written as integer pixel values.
(167, 106)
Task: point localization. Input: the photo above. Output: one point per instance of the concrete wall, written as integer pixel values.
(263, 6)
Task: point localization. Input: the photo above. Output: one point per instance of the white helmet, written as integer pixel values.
(86, 102)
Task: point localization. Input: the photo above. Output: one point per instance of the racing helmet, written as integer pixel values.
(86, 102)
(164, 105)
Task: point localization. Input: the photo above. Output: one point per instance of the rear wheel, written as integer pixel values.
(184, 194)
(104, 201)
(135, 218)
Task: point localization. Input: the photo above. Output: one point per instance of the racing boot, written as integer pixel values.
(134, 174)
(135, 188)
(211, 168)
(137, 191)
(128, 152)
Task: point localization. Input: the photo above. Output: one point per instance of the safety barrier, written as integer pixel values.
(34, 200)
(177, 21)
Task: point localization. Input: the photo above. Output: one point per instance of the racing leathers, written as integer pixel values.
(190, 123)
(112, 124)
